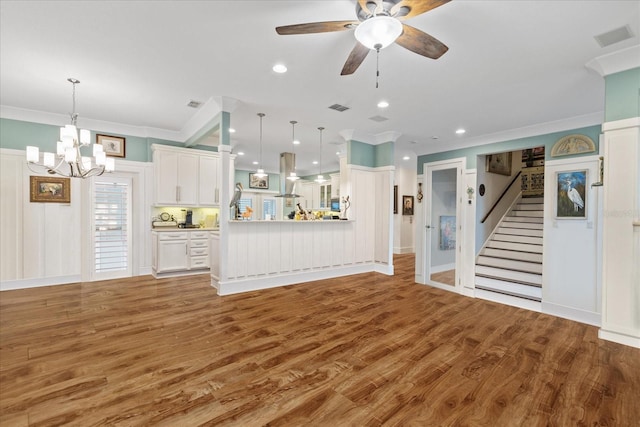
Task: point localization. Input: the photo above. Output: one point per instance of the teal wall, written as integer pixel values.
(547, 140)
(622, 95)
(17, 134)
(373, 156)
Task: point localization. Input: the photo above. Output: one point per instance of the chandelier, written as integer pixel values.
(68, 160)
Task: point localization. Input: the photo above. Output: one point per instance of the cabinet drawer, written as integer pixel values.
(199, 251)
(172, 236)
(199, 262)
(199, 243)
(199, 235)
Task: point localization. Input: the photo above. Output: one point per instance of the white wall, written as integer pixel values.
(570, 286)
(43, 243)
(404, 225)
(494, 184)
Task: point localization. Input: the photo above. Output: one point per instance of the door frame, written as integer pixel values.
(423, 257)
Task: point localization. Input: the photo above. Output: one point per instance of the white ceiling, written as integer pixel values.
(511, 67)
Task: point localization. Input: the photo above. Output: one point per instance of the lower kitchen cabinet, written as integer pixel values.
(180, 252)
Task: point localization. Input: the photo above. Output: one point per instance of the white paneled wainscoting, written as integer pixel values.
(265, 254)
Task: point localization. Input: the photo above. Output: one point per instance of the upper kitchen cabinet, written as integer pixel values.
(185, 177)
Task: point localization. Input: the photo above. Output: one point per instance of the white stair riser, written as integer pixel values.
(512, 288)
(517, 239)
(532, 214)
(510, 264)
(516, 224)
(509, 275)
(522, 256)
(509, 300)
(534, 200)
(535, 220)
(530, 207)
(520, 231)
(515, 246)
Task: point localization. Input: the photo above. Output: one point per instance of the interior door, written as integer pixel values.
(442, 243)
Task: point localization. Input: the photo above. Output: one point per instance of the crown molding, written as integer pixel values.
(615, 62)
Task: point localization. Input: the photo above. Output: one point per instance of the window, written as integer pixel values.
(269, 209)
(111, 227)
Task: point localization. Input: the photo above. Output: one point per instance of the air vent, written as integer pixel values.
(378, 118)
(338, 107)
(614, 36)
(194, 104)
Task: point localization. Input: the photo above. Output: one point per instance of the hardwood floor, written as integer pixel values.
(364, 350)
(445, 277)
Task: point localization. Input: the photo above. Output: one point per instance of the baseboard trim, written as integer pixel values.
(10, 285)
(570, 313)
(231, 287)
(403, 250)
(619, 338)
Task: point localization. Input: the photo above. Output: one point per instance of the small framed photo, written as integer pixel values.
(49, 190)
(113, 146)
(258, 182)
(499, 163)
(407, 205)
(395, 199)
(571, 195)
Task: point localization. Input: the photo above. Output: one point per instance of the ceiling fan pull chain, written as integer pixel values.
(377, 66)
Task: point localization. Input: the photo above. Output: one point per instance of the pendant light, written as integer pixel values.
(292, 175)
(320, 179)
(260, 172)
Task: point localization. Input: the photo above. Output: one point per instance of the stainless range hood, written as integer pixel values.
(287, 165)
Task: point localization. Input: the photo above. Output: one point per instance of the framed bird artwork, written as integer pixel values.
(571, 196)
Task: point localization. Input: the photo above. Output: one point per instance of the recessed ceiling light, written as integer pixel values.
(256, 163)
(315, 162)
(435, 137)
(232, 130)
(337, 153)
(460, 131)
(240, 153)
(406, 158)
(280, 68)
(383, 104)
(296, 142)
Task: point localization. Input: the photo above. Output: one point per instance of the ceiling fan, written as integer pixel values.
(378, 25)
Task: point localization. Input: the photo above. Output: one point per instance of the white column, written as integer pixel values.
(621, 233)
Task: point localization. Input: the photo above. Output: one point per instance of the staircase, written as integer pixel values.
(509, 266)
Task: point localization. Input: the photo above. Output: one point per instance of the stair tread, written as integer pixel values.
(509, 275)
(513, 255)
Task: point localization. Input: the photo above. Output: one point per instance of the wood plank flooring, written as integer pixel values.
(364, 350)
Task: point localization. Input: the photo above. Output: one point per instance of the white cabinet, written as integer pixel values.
(185, 177)
(208, 182)
(180, 252)
(335, 185)
(172, 252)
(307, 191)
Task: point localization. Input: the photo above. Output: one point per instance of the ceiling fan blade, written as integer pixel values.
(421, 43)
(416, 7)
(355, 58)
(316, 27)
(379, 7)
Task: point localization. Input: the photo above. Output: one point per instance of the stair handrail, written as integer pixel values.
(500, 198)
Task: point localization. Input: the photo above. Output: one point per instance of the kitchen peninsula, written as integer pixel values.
(265, 254)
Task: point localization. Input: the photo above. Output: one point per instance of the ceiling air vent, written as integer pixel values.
(338, 107)
(378, 118)
(614, 36)
(194, 104)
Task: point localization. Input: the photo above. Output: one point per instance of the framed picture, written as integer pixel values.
(257, 182)
(499, 163)
(407, 205)
(113, 146)
(447, 232)
(49, 190)
(395, 199)
(571, 195)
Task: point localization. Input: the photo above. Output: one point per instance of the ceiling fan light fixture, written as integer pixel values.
(378, 32)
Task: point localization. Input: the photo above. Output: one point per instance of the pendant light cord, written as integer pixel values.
(261, 115)
(377, 65)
